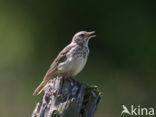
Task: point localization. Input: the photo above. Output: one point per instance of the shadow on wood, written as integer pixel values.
(68, 98)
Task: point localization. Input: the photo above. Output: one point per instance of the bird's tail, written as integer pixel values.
(39, 89)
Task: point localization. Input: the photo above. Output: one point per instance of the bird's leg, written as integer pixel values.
(65, 76)
(68, 77)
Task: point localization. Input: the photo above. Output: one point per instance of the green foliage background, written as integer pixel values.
(122, 59)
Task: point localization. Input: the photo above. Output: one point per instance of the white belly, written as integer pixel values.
(72, 66)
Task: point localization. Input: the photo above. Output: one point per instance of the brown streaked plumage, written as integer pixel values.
(70, 61)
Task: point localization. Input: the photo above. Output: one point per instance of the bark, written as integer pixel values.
(68, 98)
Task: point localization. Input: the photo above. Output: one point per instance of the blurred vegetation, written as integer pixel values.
(122, 61)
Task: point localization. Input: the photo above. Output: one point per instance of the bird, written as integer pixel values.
(70, 61)
(125, 110)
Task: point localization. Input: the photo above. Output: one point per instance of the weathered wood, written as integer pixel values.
(68, 98)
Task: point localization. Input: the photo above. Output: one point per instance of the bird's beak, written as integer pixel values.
(90, 35)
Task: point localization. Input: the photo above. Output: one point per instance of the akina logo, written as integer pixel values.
(137, 110)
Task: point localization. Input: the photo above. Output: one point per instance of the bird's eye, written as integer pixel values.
(82, 35)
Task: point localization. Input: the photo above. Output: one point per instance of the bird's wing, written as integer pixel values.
(59, 59)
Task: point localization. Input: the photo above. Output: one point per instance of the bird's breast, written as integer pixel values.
(74, 64)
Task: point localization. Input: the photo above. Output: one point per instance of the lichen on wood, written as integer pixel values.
(68, 98)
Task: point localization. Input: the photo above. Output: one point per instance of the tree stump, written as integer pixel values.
(68, 98)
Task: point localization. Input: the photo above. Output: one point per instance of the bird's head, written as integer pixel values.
(82, 37)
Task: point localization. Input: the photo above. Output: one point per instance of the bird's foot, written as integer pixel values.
(70, 78)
